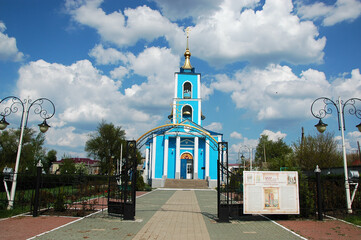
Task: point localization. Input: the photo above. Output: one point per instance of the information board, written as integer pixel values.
(270, 192)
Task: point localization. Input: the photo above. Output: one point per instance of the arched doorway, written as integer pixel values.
(186, 166)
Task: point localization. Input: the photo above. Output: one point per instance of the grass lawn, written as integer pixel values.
(355, 219)
(13, 212)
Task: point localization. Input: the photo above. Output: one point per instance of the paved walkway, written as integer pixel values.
(172, 215)
(180, 217)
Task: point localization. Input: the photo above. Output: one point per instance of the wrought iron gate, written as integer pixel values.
(229, 187)
(121, 199)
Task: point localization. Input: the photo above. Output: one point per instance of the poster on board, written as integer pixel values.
(270, 192)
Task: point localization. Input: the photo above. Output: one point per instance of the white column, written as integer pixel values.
(150, 160)
(207, 158)
(146, 163)
(177, 162)
(165, 164)
(175, 85)
(153, 155)
(199, 113)
(195, 159)
(174, 110)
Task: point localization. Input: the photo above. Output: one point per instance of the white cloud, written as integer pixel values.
(236, 135)
(119, 72)
(66, 137)
(274, 92)
(8, 48)
(342, 10)
(85, 93)
(187, 8)
(214, 126)
(351, 140)
(273, 136)
(83, 96)
(230, 32)
(123, 29)
(271, 34)
(206, 91)
(157, 64)
(348, 87)
(243, 147)
(106, 56)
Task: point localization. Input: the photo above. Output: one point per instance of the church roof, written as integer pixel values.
(190, 122)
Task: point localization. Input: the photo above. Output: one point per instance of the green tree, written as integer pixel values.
(105, 144)
(68, 166)
(81, 168)
(32, 149)
(320, 150)
(278, 153)
(49, 159)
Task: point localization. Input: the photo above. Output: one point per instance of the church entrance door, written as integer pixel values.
(186, 166)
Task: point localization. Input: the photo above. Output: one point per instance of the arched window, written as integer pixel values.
(187, 112)
(187, 90)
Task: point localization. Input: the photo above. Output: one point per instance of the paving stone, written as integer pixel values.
(179, 218)
(245, 227)
(189, 214)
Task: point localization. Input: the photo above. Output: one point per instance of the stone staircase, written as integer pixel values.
(186, 184)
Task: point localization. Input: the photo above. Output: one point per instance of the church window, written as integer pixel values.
(187, 112)
(187, 90)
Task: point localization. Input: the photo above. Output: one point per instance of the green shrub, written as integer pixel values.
(59, 205)
(307, 204)
(140, 185)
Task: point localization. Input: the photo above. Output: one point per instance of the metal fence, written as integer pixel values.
(66, 194)
(81, 194)
(333, 196)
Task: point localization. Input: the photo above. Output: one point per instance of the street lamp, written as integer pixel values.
(321, 127)
(12, 105)
(244, 162)
(250, 150)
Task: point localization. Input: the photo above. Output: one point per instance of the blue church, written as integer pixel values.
(183, 149)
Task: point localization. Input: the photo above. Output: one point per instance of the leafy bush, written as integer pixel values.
(140, 185)
(59, 204)
(307, 204)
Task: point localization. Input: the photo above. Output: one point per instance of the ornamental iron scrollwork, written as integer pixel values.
(42, 107)
(326, 108)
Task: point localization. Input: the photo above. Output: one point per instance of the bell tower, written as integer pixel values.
(187, 102)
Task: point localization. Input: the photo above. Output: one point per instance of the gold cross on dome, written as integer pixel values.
(188, 29)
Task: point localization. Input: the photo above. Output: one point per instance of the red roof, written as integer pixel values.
(356, 163)
(233, 164)
(87, 161)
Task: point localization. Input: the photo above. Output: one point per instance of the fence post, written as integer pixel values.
(319, 194)
(39, 167)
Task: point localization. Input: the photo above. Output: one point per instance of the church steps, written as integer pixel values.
(186, 184)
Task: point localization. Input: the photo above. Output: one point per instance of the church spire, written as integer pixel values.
(187, 54)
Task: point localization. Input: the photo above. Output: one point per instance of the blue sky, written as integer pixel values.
(262, 64)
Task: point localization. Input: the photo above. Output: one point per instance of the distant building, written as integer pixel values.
(234, 167)
(92, 166)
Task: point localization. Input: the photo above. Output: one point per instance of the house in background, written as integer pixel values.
(92, 166)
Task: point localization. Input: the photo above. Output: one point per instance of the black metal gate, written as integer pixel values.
(121, 188)
(229, 187)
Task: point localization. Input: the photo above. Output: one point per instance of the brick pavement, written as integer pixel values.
(172, 215)
(102, 226)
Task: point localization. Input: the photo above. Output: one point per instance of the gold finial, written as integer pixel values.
(187, 54)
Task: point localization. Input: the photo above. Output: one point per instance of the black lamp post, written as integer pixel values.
(11, 105)
(325, 110)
